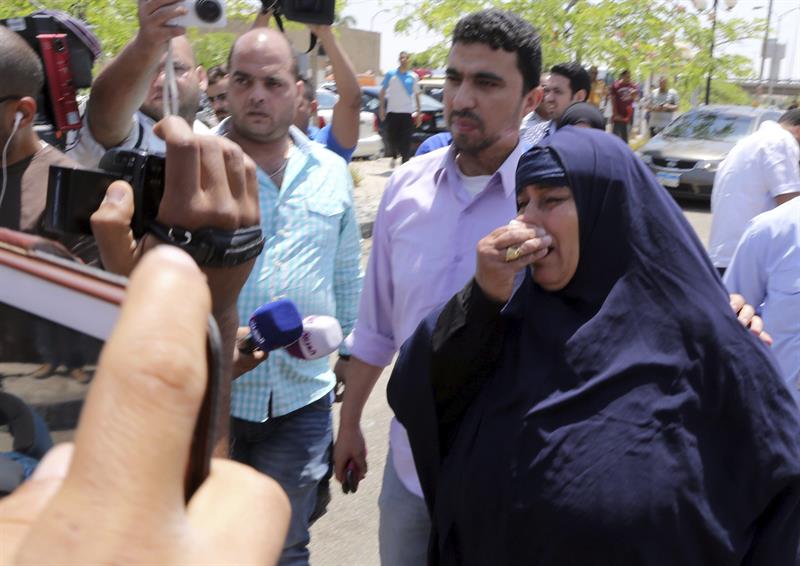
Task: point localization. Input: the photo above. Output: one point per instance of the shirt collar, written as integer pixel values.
(507, 171)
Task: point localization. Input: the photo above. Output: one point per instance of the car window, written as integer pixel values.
(710, 126)
(326, 99)
(369, 103)
(769, 116)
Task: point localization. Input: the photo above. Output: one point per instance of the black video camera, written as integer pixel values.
(74, 194)
(67, 49)
(319, 12)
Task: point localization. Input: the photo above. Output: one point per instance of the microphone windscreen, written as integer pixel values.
(321, 336)
(276, 324)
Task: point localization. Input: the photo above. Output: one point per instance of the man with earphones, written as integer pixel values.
(26, 159)
(127, 97)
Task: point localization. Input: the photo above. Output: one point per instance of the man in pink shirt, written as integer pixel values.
(434, 211)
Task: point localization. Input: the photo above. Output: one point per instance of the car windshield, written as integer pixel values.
(326, 99)
(429, 104)
(710, 126)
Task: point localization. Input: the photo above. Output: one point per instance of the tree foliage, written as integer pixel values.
(649, 37)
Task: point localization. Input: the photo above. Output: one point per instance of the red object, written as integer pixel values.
(321, 122)
(426, 117)
(55, 56)
(375, 124)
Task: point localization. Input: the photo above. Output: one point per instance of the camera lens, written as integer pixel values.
(208, 11)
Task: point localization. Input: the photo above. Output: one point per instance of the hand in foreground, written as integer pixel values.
(504, 252)
(749, 319)
(117, 497)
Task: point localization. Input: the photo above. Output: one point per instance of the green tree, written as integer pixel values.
(648, 37)
(432, 58)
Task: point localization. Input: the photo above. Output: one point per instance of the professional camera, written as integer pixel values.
(74, 194)
(202, 13)
(68, 50)
(319, 12)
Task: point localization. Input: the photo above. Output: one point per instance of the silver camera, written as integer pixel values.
(202, 14)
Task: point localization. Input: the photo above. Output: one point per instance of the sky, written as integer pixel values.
(381, 15)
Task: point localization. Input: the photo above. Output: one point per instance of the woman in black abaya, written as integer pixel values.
(612, 411)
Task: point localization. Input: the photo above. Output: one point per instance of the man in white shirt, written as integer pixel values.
(399, 108)
(766, 270)
(760, 172)
(662, 104)
(126, 99)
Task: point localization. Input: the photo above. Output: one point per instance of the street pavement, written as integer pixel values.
(348, 534)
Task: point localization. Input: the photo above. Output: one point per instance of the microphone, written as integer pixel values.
(278, 325)
(322, 336)
(272, 325)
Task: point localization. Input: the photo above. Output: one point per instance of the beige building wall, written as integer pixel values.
(363, 47)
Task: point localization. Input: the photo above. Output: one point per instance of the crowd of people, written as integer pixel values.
(574, 385)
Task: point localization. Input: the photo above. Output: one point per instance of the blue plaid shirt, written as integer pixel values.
(311, 256)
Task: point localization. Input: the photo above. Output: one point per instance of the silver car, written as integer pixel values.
(685, 156)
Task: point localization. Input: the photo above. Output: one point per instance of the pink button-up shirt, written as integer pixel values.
(423, 252)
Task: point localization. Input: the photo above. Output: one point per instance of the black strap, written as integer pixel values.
(213, 247)
(312, 42)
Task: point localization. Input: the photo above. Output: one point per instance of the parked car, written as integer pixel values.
(685, 156)
(370, 141)
(433, 86)
(432, 115)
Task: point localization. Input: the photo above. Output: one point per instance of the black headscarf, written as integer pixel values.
(582, 113)
(630, 419)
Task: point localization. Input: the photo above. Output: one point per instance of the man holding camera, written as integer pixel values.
(282, 409)
(26, 157)
(127, 96)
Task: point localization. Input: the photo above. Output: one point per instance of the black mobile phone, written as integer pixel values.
(73, 195)
(55, 315)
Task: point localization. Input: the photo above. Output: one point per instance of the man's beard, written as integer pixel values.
(276, 132)
(463, 145)
(186, 110)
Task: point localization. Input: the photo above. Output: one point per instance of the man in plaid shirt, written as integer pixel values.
(281, 410)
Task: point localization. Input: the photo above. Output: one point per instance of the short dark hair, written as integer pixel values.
(217, 73)
(20, 66)
(579, 78)
(791, 117)
(625, 72)
(500, 29)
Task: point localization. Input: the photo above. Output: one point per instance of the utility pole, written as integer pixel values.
(764, 45)
(711, 54)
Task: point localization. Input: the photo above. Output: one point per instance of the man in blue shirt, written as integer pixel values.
(399, 97)
(341, 135)
(281, 411)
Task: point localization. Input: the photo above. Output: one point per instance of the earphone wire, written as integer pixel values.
(17, 120)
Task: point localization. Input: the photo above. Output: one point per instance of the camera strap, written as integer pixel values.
(213, 247)
(312, 37)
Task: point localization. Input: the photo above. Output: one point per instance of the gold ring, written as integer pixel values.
(513, 253)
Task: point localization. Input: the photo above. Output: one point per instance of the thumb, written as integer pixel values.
(111, 226)
(242, 525)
